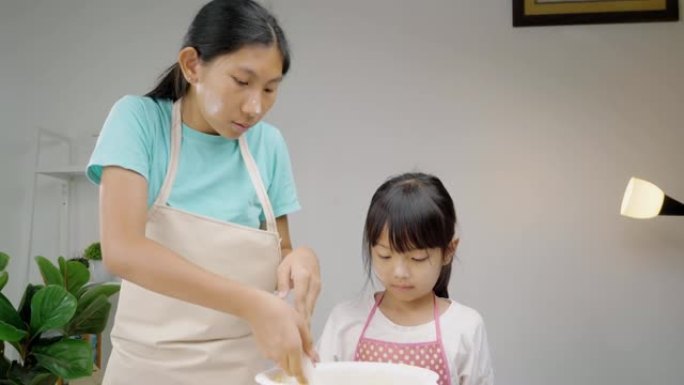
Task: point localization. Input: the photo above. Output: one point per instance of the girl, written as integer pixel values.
(194, 195)
(409, 245)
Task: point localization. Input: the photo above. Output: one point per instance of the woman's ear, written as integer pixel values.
(189, 62)
(450, 251)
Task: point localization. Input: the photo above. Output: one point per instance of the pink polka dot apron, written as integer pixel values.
(429, 355)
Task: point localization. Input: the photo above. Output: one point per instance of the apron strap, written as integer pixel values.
(174, 151)
(371, 314)
(258, 184)
(174, 154)
(438, 328)
(435, 312)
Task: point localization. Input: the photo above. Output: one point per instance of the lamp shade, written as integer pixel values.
(643, 199)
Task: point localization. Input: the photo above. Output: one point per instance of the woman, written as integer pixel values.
(194, 195)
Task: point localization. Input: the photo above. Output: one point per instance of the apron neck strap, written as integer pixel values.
(255, 176)
(376, 305)
(172, 168)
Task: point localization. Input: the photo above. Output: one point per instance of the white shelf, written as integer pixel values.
(55, 166)
(65, 173)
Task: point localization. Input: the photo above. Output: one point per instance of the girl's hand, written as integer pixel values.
(281, 333)
(299, 270)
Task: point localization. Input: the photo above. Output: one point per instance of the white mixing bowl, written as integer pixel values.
(356, 373)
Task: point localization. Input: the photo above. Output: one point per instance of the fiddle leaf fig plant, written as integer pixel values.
(93, 252)
(46, 328)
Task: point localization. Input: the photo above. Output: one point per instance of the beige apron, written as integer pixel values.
(161, 340)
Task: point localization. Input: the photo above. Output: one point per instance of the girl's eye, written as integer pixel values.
(421, 258)
(384, 256)
(269, 90)
(240, 82)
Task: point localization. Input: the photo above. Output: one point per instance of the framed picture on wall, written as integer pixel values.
(558, 12)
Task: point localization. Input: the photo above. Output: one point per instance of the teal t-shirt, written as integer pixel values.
(212, 179)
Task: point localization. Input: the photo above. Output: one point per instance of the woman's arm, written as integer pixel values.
(299, 270)
(280, 332)
(128, 253)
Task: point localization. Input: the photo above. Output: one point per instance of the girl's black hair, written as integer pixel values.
(222, 27)
(418, 213)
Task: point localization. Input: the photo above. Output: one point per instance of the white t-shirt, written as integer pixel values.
(463, 336)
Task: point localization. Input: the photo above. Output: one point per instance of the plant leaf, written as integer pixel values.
(18, 374)
(4, 365)
(29, 375)
(4, 277)
(85, 288)
(51, 307)
(44, 379)
(11, 334)
(4, 260)
(75, 275)
(8, 314)
(93, 252)
(93, 309)
(91, 319)
(93, 291)
(49, 272)
(13, 322)
(61, 262)
(25, 304)
(67, 358)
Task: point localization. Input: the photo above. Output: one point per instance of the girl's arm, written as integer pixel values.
(477, 370)
(280, 332)
(328, 346)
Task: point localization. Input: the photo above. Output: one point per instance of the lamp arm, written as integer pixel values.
(671, 207)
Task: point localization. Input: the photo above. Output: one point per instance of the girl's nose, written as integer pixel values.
(252, 105)
(401, 269)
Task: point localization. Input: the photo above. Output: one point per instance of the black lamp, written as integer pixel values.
(643, 200)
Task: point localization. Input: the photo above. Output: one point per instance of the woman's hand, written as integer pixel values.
(281, 333)
(300, 271)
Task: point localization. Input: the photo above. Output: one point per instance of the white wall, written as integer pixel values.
(535, 132)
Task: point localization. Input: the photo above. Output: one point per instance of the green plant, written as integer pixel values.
(93, 252)
(81, 260)
(47, 326)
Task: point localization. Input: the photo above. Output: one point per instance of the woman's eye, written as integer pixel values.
(240, 82)
(269, 90)
(420, 259)
(384, 256)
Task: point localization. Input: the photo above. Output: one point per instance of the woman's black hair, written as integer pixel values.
(418, 213)
(222, 27)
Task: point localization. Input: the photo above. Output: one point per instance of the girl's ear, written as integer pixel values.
(189, 62)
(450, 251)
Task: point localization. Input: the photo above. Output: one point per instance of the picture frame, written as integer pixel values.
(527, 13)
